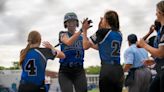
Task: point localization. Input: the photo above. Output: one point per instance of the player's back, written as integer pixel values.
(109, 47)
(33, 67)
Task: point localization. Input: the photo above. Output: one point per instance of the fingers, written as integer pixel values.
(84, 20)
(86, 23)
(46, 44)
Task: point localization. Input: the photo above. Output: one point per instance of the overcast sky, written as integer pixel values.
(19, 17)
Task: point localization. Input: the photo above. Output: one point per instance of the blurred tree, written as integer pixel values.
(2, 68)
(93, 70)
(15, 66)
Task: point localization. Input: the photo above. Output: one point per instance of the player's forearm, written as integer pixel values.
(73, 38)
(86, 43)
(146, 36)
(157, 52)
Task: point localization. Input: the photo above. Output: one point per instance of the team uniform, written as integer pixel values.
(33, 69)
(71, 72)
(157, 84)
(111, 74)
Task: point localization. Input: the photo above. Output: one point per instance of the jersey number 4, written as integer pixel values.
(30, 67)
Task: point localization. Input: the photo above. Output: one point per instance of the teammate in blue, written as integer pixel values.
(157, 85)
(107, 40)
(71, 72)
(33, 60)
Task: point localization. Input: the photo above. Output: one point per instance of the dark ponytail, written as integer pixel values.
(112, 19)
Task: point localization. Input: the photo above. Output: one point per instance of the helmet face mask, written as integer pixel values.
(70, 16)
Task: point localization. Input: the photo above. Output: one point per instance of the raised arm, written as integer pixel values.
(69, 40)
(152, 28)
(157, 52)
(86, 42)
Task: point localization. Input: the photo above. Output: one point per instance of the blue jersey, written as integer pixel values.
(34, 64)
(109, 44)
(73, 53)
(160, 61)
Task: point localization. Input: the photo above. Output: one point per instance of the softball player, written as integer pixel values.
(33, 60)
(157, 85)
(71, 72)
(107, 40)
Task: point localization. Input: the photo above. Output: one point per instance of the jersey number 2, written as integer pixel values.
(30, 67)
(116, 47)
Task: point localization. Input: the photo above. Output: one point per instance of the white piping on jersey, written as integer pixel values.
(161, 39)
(105, 37)
(161, 44)
(120, 33)
(41, 54)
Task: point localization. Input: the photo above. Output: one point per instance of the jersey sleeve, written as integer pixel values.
(61, 34)
(99, 35)
(48, 53)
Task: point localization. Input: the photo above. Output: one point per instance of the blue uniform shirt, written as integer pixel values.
(34, 64)
(135, 56)
(109, 45)
(73, 53)
(160, 61)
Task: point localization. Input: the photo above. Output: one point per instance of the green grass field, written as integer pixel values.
(96, 90)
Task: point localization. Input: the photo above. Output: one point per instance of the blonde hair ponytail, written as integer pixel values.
(33, 38)
(23, 54)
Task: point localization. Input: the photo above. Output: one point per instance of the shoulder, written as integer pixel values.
(129, 50)
(102, 31)
(116, 32)
(61, 33)
(143, 50)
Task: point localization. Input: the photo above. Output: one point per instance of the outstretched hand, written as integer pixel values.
(86, 24)
(47, 44)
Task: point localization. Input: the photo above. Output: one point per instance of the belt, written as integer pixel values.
(25, 82)
(110, 63)
(139, 67)
(71, 64)
(28, 82)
